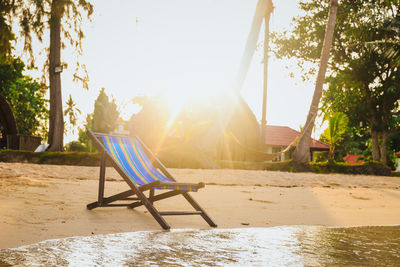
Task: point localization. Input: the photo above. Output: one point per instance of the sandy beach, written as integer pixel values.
(40, 202)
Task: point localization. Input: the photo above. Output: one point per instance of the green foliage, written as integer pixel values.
(389, 45)
(354, 142)
(83, 144)
(105, 115)
(33, 17)
(358, 22)
(7, 7)
(75, 146)
(367, 91)
(333, 135)
(370, 168)
(93, 159)
(26, 97)
(364, 81)
(320, 156)
(71, 111)
(392, 159)
(104, 119)
(56, 158)
(82, 136)
(395, 142)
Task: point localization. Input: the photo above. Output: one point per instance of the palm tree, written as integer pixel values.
(72, 112)
(302, 152)
(270, 8)
(337, 123)
(389, 47)
(64, 19)
(56, 119)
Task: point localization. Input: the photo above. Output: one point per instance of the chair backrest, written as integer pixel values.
(133, 160)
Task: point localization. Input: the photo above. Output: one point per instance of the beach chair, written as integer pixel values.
(142, 171)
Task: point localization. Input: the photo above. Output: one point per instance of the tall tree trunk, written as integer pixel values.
(208, 142)
(56, 120)
(265, 85)
(331, 153)
(383, 147)
(302, 152)
(251, 45)
(376, 155)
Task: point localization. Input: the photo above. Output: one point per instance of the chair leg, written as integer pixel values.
(197, 207)
(151, 195)
(153, 211)
(102, 178)
(92, 205)
(169, 194)
(108, 200)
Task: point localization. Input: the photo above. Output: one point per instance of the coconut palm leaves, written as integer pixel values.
(389, 44)
(337, 124)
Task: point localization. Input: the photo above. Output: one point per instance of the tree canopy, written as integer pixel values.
(26, 97)
(364, 81)
(105, 116)
(333, 135)
(104, 119)
(32, 18)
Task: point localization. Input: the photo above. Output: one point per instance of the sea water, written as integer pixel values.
(276, 246)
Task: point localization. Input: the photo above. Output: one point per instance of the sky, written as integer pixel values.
(138, 47)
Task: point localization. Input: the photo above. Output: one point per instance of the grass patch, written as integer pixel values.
(56, 158)
(368, 168)
(192, 160)
(396, 173)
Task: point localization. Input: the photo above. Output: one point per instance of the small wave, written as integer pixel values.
(276, 246)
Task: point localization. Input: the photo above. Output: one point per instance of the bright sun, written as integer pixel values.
(177, 99)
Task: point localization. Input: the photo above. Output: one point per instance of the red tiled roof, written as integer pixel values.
(353, 159)
(284, 136)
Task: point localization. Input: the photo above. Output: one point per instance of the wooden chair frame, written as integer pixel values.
(138, 191)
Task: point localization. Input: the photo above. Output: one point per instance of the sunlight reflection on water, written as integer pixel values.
(277, 246)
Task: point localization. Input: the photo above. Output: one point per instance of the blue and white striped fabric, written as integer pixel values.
(134, 161)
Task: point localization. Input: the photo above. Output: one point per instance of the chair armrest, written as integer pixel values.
(150, 185)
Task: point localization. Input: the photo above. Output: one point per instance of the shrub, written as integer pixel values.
(370, 167)
(189, 160)
(75, 146)
(56, 158)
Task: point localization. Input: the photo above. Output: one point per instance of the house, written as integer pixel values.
(120, 128)
(353, 159)
(280, 137)
(398, 161)
(8, 125)
(9, 135)
(196, 132)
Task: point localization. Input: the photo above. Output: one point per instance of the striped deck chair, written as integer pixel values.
(142, 171)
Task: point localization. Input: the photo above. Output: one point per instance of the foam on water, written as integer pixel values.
(277, 246)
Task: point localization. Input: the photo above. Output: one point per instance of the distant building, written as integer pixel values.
(120, 129)
(398, 161)
(237, 140)
(353, 159)
(280, 137)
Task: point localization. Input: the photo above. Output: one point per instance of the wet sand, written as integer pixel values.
(271, 246)
(40, 202)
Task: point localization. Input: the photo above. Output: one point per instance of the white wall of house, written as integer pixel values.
(276, 149)
(398, 164)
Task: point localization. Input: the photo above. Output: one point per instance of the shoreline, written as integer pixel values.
(41, 202)
(173, 230)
